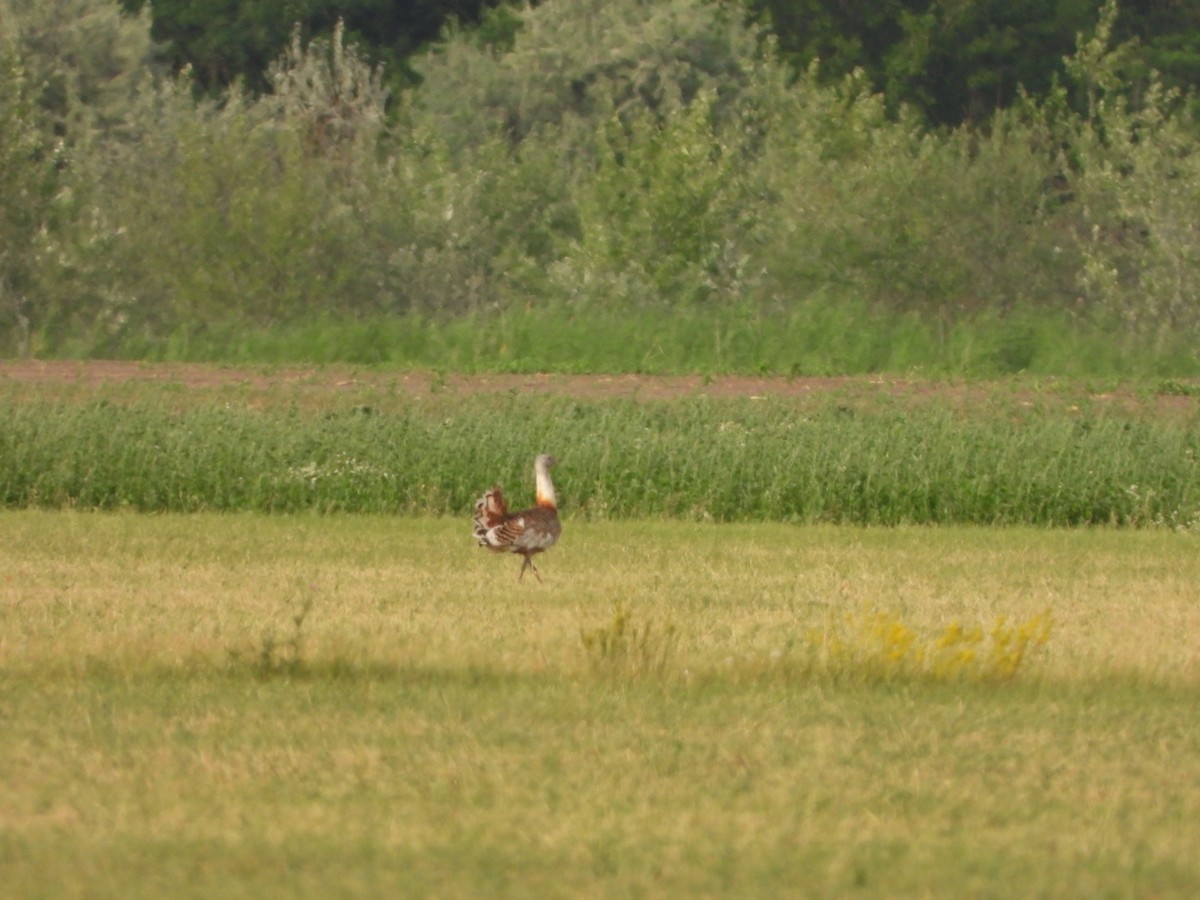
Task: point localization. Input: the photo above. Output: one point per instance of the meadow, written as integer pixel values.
(859, 451)
(888, 637)
(262, 705)
(248, 647)
(808, 337)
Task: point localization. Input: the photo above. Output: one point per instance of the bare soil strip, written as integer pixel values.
(98, 372)
(334, 380)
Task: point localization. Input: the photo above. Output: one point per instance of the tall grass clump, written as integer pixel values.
(624, 647)
(699, 458)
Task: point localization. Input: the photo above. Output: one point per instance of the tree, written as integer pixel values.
(843, 34)
(24, 193)
(227, 41)
(959, 60)
(578, 64)
(954, 60)
(84, 60)
(1167, 33)
(68, 71)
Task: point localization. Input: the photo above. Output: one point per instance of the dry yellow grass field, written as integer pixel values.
(266, 706)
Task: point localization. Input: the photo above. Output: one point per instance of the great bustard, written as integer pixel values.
(527, 532)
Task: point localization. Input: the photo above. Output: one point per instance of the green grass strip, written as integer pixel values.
(693, 458)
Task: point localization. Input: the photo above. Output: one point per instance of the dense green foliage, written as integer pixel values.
(960, 61)
(228, 40)
(726, 460)
(953, 61)
(613, 160)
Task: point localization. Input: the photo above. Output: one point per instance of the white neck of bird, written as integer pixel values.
(545, 487)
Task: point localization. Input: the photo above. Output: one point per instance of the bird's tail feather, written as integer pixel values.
(490, 510)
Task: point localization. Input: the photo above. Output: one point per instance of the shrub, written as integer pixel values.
(592, 159)
(1137, 186)
(26, 187)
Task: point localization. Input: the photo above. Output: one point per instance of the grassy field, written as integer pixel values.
(814, 337)
(1014, 453)
(245, 705)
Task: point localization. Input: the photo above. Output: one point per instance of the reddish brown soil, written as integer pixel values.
(98, 372)
(319, 381)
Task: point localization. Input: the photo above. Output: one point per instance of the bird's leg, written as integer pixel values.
(529, 564)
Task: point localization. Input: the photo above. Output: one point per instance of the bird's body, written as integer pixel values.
(527, 532)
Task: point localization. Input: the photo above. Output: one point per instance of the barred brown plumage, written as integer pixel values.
(527, 532)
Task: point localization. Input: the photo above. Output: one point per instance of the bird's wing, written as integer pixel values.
(531, 530)
(508, 533)
(540, 528)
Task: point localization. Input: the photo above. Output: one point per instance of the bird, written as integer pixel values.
(527, 532)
